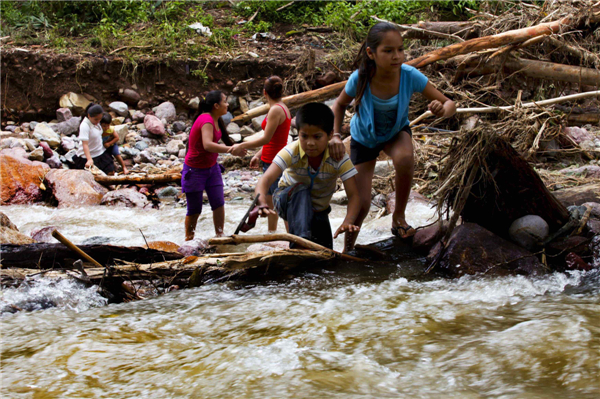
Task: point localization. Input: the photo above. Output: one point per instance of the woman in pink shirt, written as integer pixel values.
(201, 170)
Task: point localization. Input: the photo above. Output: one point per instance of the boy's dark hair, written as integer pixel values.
(366, 66)
(106, 119)
(315, 114)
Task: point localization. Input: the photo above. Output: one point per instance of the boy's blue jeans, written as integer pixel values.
(294, 205)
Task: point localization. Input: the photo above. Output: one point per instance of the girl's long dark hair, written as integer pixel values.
(91, 110)
(274, 87)
(366, 66)
(206, 105)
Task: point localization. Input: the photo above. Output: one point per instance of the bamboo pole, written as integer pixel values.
(239, 239)
(147, 179)
(74, 248)
(483, 110)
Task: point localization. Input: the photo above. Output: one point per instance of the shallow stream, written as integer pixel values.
(344, 333)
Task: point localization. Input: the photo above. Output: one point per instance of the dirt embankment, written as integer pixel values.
(33, 81)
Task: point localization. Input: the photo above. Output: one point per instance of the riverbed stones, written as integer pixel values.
(194, 247)
(246, 131)
(145, 157)
(129, 96)
(578, 195)
(165, 110)
(43, 132)
(119, 107)
(9, 234)
(227, 118)
(20, 179)
(194, 103)
(236, 138)
(181, 153)
(528, 231)
(43, 234)
(168, 192)
(383, 168)
(126, 197)
(339, 198)
(472, 249)
(67, 143)
(588, 171)
(233, 128)
(77, 103)
(154, 125)
(63, 114)
(255, 136)
(122, 131)
(233, 102)
(174, 146)
(72, 188)
(47, 150)
(54, 161)
(141, 145)
(67, 127)
(138, 116)
(36, 155)
(426, 238)
(257, 122)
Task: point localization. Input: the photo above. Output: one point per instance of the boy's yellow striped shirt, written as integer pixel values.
(294, 162)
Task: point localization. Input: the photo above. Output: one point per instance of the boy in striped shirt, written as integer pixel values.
(309, 181)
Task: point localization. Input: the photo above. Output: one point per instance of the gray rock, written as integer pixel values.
(67, 143)
(54, 162)
(119, 107)
(174, 146)
(36, 155)
(138, 116)
(68, 127)
(168, 192)
(11, 128)
(256, 122)
(32, 125)
(141, 145)
(227, 118)
(129, 152)
(126, 197)
(129, 96)
(528, 231)
(255, 104)
(165, 110)
(63, 114)
(383, 168)
(233, 102)
(193, 247)
(122, 131)
(181, 153)
(194, 103)
(246, 131)
(31, 144)
(340, 198)
(178, 126)
(233, 128)
(147, 157)
(235, 137)
(69, 155)
(43, 132)
(96, 240)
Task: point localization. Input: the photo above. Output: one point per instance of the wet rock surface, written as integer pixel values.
(73, 188)
(21, 179)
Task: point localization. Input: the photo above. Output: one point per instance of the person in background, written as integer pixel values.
(201, 172)
(110, 139)
(90, 150)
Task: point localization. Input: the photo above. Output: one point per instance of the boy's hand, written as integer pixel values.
(336, 148)
(437, 108)
(263, 207)
(254, 163)
(346, 228)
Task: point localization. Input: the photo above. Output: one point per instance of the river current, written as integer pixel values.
(355, 333)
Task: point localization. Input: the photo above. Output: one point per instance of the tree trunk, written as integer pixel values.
(131, 179)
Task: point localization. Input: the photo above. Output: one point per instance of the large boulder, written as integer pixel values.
(126, 197)
(73, 187)
(43, 132)
(43, 234)
(129, 96)
(21, 179)
(472, 249)
(578, 195)
(68, 127)
(528, 231)
(119, 107)
(426, 238)
(154, 125)
(257, 122)
(122, 131)
(77, 103)
(165, 110)
(9, 234)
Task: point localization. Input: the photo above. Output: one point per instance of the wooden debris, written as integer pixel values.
(139, 179)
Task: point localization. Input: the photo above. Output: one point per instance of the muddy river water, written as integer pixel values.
(364, 333)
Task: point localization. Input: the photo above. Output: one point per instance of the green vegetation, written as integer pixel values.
(160, 27)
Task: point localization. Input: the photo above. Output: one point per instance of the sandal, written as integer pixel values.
(405, 230)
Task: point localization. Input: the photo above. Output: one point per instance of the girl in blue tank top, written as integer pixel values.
(381, 88)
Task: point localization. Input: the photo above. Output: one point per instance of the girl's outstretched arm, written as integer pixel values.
(336, 146)
(440, 105)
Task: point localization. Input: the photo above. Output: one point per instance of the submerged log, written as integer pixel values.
(46, 256)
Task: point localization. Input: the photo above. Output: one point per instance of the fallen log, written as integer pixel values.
(539, 70)
(584, 119)
(47, 256)
(133, 179)
(469, 46)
